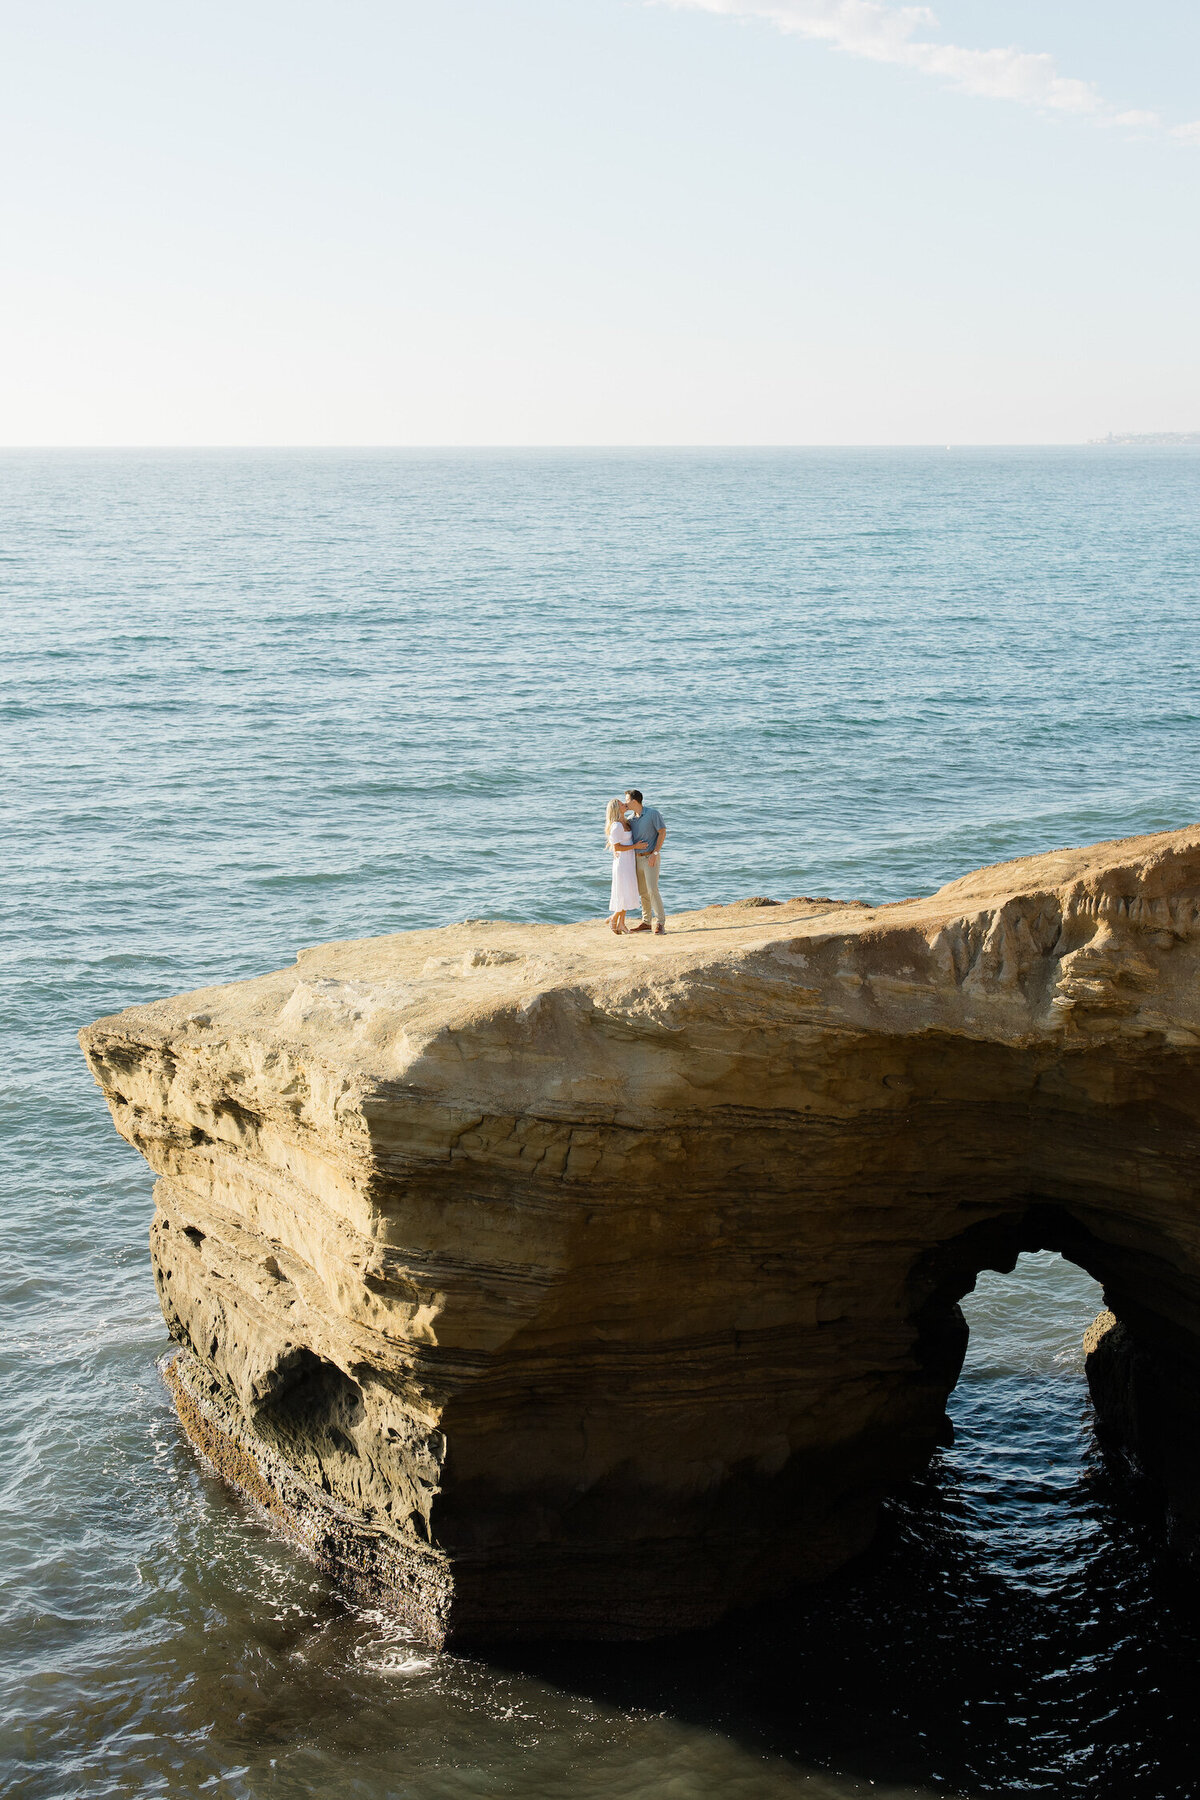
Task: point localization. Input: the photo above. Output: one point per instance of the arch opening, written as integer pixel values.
(1140, 1350)
(1030, 1322)
(1024, 1439)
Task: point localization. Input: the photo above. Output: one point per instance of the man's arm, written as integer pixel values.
(660, 839)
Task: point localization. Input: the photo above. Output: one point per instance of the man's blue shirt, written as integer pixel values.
(645, 830)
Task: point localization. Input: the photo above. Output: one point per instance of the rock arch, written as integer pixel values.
(558, 1283)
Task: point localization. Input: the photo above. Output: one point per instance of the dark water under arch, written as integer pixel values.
(1018, 1628)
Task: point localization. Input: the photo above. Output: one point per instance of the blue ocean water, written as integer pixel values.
(251, 701)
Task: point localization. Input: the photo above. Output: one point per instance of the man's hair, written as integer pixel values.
(632, 794)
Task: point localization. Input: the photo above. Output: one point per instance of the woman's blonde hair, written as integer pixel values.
(615, 809)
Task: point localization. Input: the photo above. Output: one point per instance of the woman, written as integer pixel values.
(624, 875)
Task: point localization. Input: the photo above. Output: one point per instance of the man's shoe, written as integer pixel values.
(644, 926)
(660, 929)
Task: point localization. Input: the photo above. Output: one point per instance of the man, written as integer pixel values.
(648, 828)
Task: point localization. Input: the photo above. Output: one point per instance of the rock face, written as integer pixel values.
(557, 1283)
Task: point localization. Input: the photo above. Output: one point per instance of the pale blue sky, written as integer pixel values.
(597, 222)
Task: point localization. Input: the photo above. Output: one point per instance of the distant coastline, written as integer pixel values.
(1151, 438)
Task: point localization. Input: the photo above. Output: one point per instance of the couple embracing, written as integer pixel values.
(635, 834)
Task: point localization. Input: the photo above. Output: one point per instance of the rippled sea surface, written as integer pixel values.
(254, 701)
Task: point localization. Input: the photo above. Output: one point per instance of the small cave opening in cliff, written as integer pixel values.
(314, 1410)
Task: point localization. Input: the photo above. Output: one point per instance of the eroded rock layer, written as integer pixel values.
(553, 1282)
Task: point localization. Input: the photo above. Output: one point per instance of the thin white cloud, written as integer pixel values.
(900, 34)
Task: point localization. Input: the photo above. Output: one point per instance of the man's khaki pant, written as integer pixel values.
(647, 874)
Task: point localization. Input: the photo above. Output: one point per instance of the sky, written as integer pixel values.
(598, 222)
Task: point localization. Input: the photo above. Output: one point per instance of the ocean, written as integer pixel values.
(253, 700)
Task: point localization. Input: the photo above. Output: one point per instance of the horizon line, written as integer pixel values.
(1115, 441)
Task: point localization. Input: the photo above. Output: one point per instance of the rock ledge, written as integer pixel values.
(548, 1282)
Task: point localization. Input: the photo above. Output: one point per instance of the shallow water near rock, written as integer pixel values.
(254, 701)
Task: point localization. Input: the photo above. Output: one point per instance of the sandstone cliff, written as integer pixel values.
(557, 1282)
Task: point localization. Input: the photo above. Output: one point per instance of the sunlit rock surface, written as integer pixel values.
(552, 1282)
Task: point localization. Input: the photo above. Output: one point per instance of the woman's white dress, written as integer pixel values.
(624, 881)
